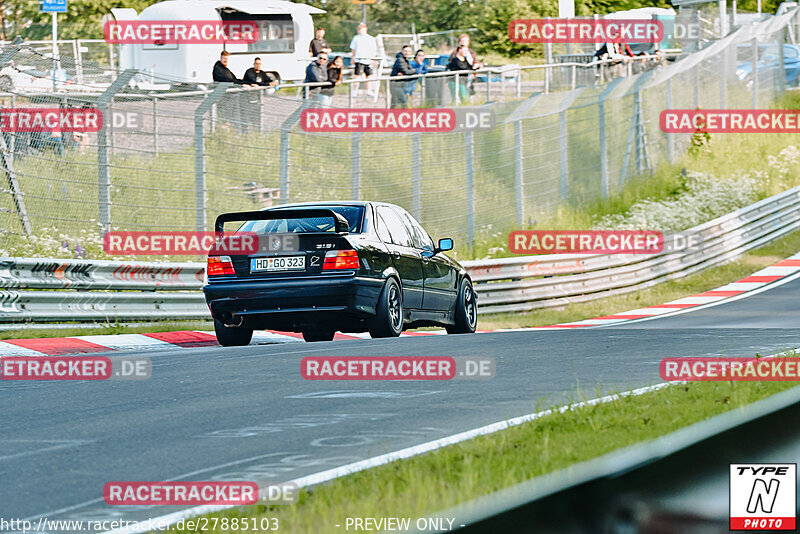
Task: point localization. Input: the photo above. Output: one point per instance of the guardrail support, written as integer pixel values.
(470, 185)
(355, 181)
(200, 154)
(103, 165)
(416, 176)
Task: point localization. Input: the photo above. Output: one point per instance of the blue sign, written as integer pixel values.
(53, 6)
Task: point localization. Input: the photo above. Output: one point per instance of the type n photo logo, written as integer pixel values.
(763, 496)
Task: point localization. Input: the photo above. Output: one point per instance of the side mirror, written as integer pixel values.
(445, 245)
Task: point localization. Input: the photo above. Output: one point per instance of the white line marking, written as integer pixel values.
(331, 474)
(8, 349)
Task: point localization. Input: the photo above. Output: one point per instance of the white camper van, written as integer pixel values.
(285, 31)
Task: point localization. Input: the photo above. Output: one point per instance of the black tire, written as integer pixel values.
(388, 320)
(466, 316)
(232, 336)
(312, 336)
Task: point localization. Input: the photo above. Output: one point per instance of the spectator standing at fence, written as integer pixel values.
(335, 68)
(459, 64)
(316, 73)
(319, 45)
(420, 66)
(221, 71)
(402, 67)
(363, 48)
(469, 55)
(255, 77)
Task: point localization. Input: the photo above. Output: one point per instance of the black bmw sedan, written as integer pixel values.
(354, 267)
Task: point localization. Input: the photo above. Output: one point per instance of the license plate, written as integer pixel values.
(281, 263)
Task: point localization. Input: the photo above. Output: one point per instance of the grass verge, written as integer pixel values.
(436, 481)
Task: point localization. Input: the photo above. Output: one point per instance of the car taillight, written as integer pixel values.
(341, 259)
(220, 265)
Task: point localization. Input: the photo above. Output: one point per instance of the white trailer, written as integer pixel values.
(285, 31)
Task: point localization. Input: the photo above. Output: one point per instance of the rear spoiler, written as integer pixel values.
(342, 226)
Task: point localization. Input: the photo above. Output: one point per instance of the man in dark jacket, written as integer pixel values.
(221, 71)
(254, 76)
(402, 67)
(316, 72)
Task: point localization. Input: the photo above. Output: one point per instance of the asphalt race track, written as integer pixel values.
(246, 414)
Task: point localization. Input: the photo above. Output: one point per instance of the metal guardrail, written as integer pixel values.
(674, 483)
(86, 290)
(516, 284)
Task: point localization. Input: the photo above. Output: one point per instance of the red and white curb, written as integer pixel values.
(750, 285)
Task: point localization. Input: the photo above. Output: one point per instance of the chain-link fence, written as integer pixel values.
(172, 160)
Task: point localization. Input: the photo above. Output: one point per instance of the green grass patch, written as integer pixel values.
(439, 480)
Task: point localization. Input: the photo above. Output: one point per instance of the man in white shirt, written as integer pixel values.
(364, 49)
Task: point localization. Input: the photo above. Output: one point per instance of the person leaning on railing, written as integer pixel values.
(402, 67)
(222, 73)
(420, 66)
(458, 63)
(335, 68)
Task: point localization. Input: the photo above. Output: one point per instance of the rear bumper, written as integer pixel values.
(343, 302)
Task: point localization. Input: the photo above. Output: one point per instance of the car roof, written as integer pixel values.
(363, 203)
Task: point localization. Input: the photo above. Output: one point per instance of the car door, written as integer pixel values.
(406, 258)
(440, 290)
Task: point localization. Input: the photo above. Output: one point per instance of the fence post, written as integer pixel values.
(470, 183)
(355, 180)
(755, 72)
(155, 124)
(519, 82)
(781, 77)
(416, 176)
(13, 184)
(601, 108)
(200, 154)
(696, 72)
(519, 173)
(286, 129)
(723, 79)
(670, 136)
(563, 155)
(103, 166)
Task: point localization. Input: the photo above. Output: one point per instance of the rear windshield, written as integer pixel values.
(353, 214)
